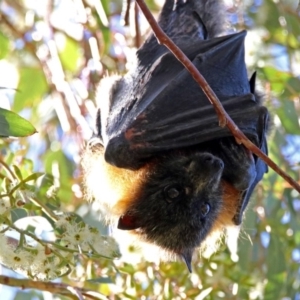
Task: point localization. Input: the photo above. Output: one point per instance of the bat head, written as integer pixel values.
(178, 203)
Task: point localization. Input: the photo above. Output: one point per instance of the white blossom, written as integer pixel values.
(78, 234)
(52, 191)
(48, 268)
(45, 265)
(13, 257)
(4, 205)
(106, 246)
(85, 237)
(65, 220)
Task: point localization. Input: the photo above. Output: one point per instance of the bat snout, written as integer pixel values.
(205, 171)
(218, 163)
(211, 162)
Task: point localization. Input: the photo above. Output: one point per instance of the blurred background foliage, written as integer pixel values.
(53, 54)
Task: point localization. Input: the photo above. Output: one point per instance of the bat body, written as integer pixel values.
(159, 163)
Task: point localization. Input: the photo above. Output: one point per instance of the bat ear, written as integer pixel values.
(128, 222)
(98, 126)
(252, 83)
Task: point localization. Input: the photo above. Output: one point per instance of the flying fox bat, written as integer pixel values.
(159, 163)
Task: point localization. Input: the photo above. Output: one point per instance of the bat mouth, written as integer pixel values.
(128, 222)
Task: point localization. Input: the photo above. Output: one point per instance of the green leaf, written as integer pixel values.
(274, 286)
(65, 169)
(31, 294)
(18, 172)
(127, 268)
(292, 88)
(69, 53)
(276, 257)
(18, 213)
(290, 124)
(106, 280)
(107, 39)
(33, 176)
(47, 182)
(6, 185)
(32, 86)
(47, 192)
(11, 124)
(4, 45)
(276, 77)
(22, 184)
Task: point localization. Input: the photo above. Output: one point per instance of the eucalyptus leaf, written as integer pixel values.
(18, 172)
(4, 45)
(18, 213)
(106, 280)
(33, 176)
(32, 86)
(11, 124)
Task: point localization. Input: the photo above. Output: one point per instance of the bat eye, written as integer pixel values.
(172, 192)
(204, 209)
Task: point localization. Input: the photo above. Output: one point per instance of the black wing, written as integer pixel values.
(159, 107)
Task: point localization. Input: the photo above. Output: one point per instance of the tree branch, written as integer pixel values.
(57, 288)
(126, 11)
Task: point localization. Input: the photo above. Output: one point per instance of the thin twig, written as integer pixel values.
(224, 118)
(54, 244)
(44, 208)
(126, 11)
(10, 173)
(137, 26)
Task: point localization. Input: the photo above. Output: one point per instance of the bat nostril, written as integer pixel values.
(213, 161)
(208, 159)
(219, 163)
